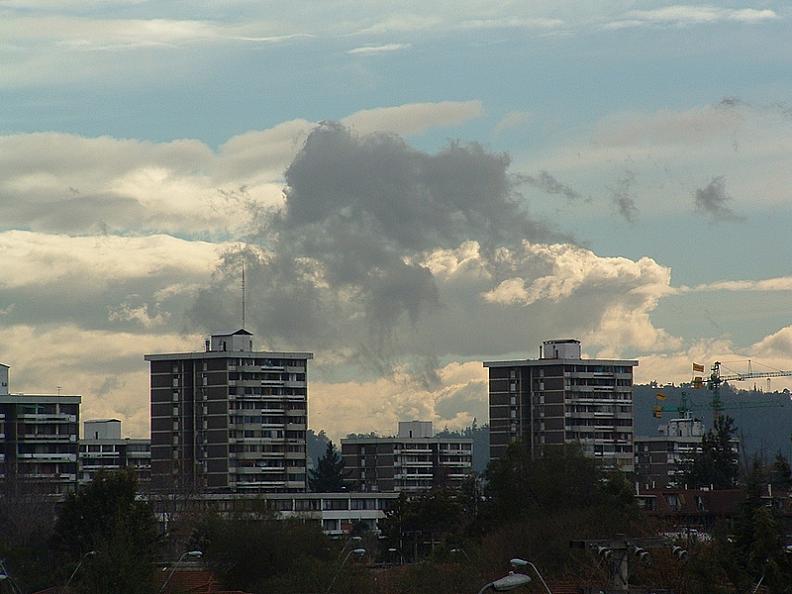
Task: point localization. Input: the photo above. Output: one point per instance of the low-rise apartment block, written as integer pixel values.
(103, 448)
(413, 461)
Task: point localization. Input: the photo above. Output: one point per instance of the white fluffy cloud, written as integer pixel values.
(67, 183)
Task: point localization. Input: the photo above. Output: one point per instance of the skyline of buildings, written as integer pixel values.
(233, 420)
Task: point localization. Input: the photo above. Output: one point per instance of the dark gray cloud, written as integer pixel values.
(339, 263)
(546, 182)
(623, 199)
(712, 201)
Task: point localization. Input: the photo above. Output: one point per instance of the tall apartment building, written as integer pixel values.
(38, 439)
(229, 418)
(103, 448)
(413, 461)
(561, 398)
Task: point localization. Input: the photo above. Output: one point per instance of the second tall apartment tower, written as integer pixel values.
(562, 398)
(229, 419)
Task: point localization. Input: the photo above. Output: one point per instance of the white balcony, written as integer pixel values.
(46, 456)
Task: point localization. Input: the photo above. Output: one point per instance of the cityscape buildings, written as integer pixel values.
(38, 439)
(413, 461)
(562, 398)
(103, 448)
(229, 418)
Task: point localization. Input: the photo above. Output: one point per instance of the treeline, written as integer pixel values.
(105, 539)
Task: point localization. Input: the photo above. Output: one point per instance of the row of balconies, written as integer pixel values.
(47, 418)
(44, 456)
(50, 437)
(255, 469)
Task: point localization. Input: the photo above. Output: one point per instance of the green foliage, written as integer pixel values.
(717, 463)
(781, 473)
(105, 517)
(329, 474)
(757, 546)
(26, 520)
(562, 480)
(433, 517)
(266, 555)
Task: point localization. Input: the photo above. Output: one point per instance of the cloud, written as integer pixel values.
(54, 182)
(106, 367)
(459, 396)
(712, 200)
(622, 197)
(414, 118)
(546, 182)
(367, 50)
(680, 15)
(130, 284)
(783, 283)
(343, 262)
(513, 119)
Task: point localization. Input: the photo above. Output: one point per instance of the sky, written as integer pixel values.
(411, 187)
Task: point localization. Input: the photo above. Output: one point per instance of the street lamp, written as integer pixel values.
(517, 562)
(355, 539)
(76, 569)
(4, 575)
(460, 552)
(357, 553)
(509, 582)
(193, 554)
(393, 551)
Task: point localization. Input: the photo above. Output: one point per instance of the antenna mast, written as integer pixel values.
(243, 295)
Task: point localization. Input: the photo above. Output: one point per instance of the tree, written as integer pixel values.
(716, 464)
(103, 525)
(781, 472)
(329, 475)
(756, 548)
(260, 553)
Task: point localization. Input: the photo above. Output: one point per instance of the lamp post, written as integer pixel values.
(523, 563)
(355, 539)
(509, 582)
(5, 576)
(394, 551)
(356, 553)
(460, 552)
(76, 569)
(193, 554)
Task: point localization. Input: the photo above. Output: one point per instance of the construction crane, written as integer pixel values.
(716, 379)
(713, 384)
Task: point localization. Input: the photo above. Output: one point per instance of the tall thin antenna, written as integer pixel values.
(244, 305)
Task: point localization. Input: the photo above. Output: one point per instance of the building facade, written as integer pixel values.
(336, 513)
(562, 398)
(38, 440)
(660, 459)
(103, 448)
(229, 418)
(413, 461)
